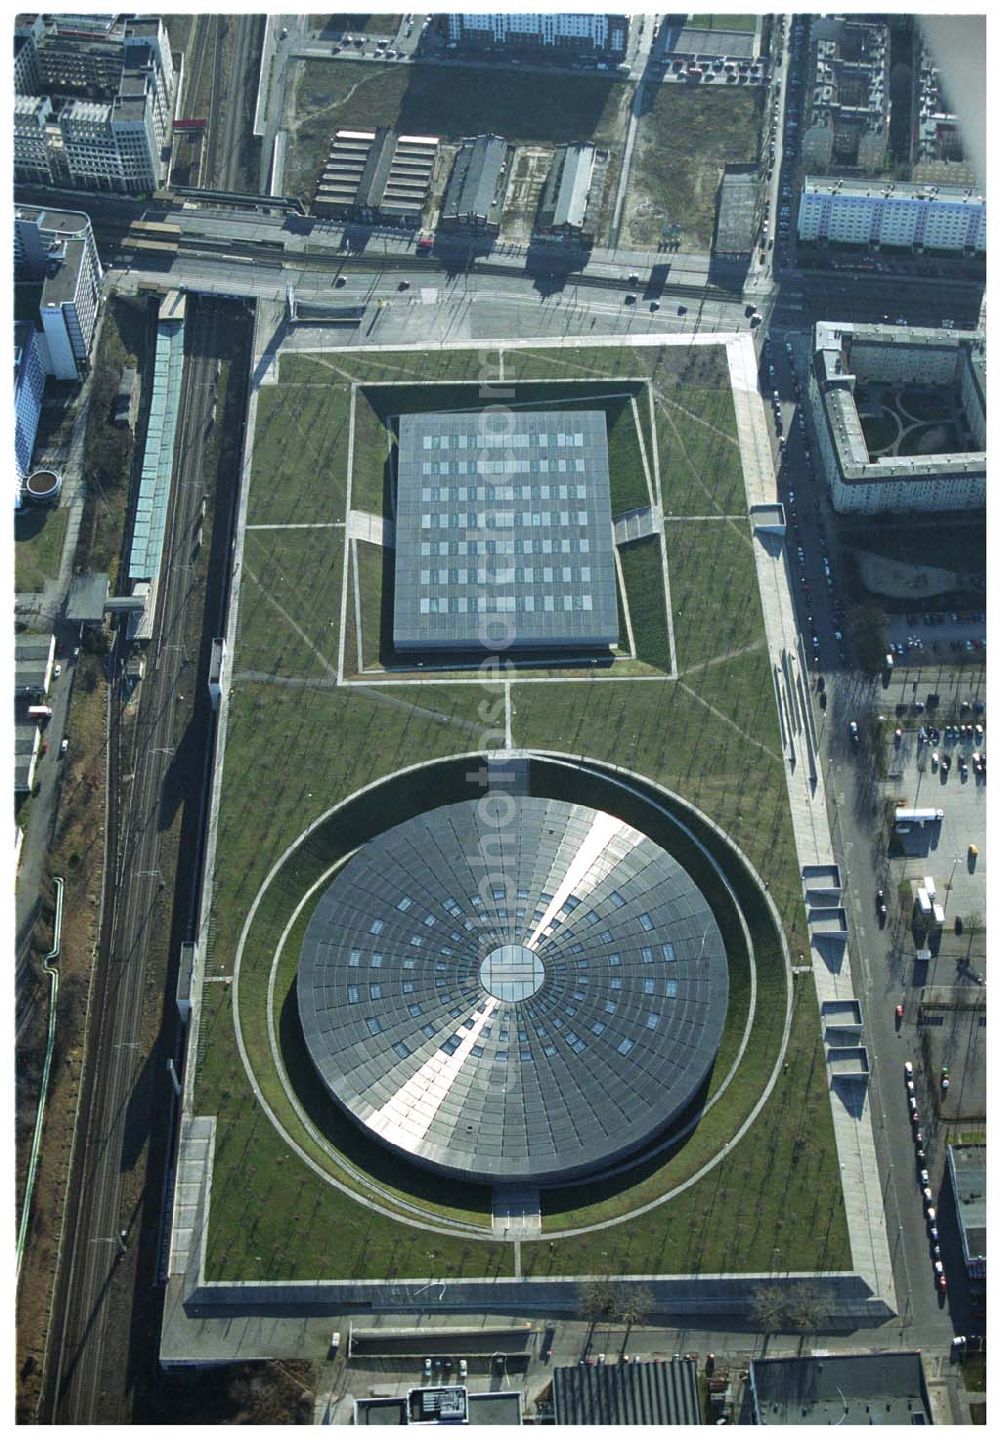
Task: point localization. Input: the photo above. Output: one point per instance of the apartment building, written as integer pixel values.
(597, 32)
(30, 371)
(94, 102)
(846, 113)
(903, 215)
(58, 248)
(848, 358)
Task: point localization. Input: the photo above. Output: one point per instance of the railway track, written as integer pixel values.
(87, 1370)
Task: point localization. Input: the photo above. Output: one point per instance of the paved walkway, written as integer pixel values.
(852, 1119)
(363, 525)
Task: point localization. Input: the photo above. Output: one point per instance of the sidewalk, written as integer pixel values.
(852, 1124)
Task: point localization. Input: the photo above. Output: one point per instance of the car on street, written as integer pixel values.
(57, 672)
(852, 731)
(908, 1070)
(64, 746)
(881, 909)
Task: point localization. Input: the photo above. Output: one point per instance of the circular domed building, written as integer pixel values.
(515, 990)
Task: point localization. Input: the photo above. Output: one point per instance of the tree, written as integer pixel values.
(973, 925)
(866, 632)
(634, 1306)
(598, 1298)
(767, 1307)
(805, 1309)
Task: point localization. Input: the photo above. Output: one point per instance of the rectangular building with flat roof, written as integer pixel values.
(967, 1167)
(900, 215)
(600, 32)
(503, 532)
(885, 1389)
(736, 218)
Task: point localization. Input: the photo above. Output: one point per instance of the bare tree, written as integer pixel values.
(805, 1307)
(598, 1299)
(634, 1306)
(767, 1307)
(973, 925)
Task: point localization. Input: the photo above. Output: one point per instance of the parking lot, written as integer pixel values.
(942, 850)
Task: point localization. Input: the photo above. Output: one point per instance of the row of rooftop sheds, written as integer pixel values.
(380, 177)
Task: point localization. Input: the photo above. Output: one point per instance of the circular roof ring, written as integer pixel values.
(515, 994)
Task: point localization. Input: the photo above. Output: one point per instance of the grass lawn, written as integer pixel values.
(290, 617)
(678, 184)
(355, 24)
(935, 439)
(953, 540)
(713, 587)
(700, 470)
(879, 431)
(304, 425)
(722, 22)
(297, 745)
(924, 406)
(452, 104)
(39, 532)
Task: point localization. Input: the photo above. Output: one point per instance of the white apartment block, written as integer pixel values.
(57, 247)
(847, 355)
(32, 116)
(917, 217)
(596, 31)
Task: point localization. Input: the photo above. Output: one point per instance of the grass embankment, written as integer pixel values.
(642, 568)
(77, 856)
(127, 332)
(39, 532)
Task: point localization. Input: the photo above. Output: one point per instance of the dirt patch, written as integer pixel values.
(524, 190)
(895, 578)
(684, 140)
